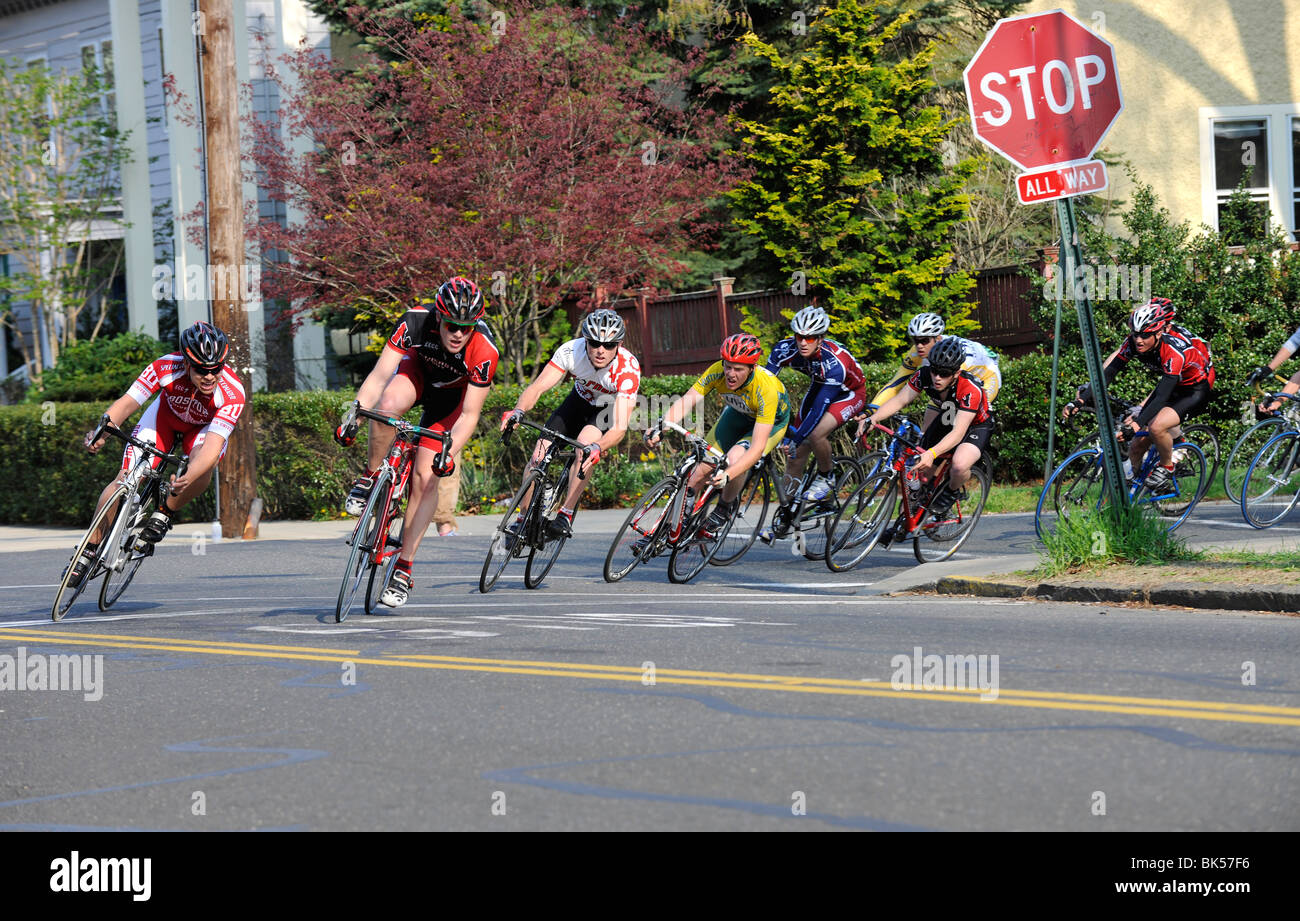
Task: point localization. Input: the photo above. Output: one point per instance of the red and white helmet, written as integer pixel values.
(1155, 316)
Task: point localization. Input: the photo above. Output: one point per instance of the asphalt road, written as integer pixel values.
(759, 697)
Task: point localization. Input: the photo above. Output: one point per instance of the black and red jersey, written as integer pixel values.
(964, 394)
(417, 336)
(1177, 352)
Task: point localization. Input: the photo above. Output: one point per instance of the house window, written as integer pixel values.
(99, 58)
(1258, 148)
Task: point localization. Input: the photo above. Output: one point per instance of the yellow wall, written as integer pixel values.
(1175, 56)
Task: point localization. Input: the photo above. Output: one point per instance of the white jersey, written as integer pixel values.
(620, 378)
(1294, 342)
(980, 362)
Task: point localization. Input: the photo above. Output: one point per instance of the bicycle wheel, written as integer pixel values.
(846, 476)
(365, 538)
(1206, 438)
(379, 575)
(1179, 496)
(748, 521)
(543, 556)
(105, 519)
(1272, 484)
(1078, 484)
(860, 522)
(505, 545)
(873, 462)
(940, 540)
(124, 541)
(642, 526)
(1244, 451)
(693, 551)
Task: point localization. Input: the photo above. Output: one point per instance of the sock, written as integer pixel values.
(1169, 467)
(824, 474)
(403, 565)
(567, 513)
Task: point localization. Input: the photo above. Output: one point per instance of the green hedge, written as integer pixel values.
(303, 474)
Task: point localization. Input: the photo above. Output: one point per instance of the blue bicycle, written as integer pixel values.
(1271, 488)
(1079, 483)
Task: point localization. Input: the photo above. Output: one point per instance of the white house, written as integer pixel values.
(137, 42)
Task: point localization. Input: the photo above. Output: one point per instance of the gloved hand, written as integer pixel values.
(447, 468)
(653, 434)
(346, 435)
(510, 418)
(1259, 374)
(593, 453)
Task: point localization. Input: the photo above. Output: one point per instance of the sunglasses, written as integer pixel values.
(799, 338)
(922, 340)
(459, 327)
(1144, 335)
(208, 372)
(596, 344)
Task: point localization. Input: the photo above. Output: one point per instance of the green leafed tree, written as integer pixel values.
(60, 163)
(850, 194)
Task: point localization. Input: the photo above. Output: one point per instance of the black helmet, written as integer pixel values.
(948, 356)
(205, 346)
(459, 301)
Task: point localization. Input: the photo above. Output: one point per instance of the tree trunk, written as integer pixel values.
(225, 216)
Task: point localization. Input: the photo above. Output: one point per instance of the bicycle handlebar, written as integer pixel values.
(106, 427)
(553, 435)
(406, 428)
(708, 450)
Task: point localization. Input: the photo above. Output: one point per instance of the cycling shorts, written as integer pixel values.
(575, 414)
(734, 427)
(842, 410)
(977, 435)
(161, 428)
(1190, 400)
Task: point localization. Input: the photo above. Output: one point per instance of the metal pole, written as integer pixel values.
(1072, 259)
(1049, 465)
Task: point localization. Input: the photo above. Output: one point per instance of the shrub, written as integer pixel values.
(100, 369)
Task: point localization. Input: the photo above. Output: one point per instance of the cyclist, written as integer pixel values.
(201, 402)
(441, 354)
(836, 393)
(597, 411)
(958, 419)
(1187, 377)
(1288, 349)
(926, 331)
(753, 422)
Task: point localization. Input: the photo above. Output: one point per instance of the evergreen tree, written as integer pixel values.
(850, 194)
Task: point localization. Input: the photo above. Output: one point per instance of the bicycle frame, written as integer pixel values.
(912, 517)
(116, 554)
(701, 453)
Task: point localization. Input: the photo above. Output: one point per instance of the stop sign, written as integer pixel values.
(1043, 89)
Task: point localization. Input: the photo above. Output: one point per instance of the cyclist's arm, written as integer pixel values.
(1110, 370)
(814, 407)
(471, 406)
(960, 425)
(121, 410)
(547, 378)
(1286, 351)
(685, 403)
(757, 442)
(201, 461)
(372, 388)
(894, 404)
(1159, 398)
(622, 418)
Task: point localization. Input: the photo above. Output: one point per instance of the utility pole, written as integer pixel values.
(227, 272)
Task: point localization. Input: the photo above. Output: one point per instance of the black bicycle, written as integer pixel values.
(523, 526)
(119, 521)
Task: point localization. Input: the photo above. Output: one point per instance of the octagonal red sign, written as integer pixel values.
(1043, 89)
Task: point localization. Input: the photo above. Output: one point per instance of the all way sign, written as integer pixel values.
(1062, 182)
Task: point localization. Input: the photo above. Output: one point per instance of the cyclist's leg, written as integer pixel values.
(836, 414)
(145, 430)
(441, 410)
(967, 454)
(398, 397)
(726, 432)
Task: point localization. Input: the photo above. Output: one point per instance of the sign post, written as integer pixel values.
(1043, 90)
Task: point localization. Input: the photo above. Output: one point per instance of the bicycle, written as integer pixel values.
(1201, 434)
(120, 520)
(1271, 488)
(537, 501)
(861, 524)
(377, 537)
(1079, 482)
(1254, 438)
(669, 516)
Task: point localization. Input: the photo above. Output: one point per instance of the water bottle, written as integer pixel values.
(1128, 469)
(216, 531)
(913, 480)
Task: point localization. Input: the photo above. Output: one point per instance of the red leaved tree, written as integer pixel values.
(524, 152)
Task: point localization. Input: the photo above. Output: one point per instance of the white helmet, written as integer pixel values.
(811, 321)
(926, 324)
(603, 325)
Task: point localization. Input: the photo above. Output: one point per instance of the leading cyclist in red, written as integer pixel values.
(201, 401)
(441, 354)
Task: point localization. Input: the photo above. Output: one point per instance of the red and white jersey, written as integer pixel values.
(620, 378)
(219, 412)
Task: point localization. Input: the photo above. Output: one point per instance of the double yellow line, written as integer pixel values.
(645, 675)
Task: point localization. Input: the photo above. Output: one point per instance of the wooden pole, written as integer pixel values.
(227, 272)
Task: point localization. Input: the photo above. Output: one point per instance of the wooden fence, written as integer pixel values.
(680, 333)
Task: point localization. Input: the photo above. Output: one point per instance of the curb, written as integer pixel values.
(1274, 599)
